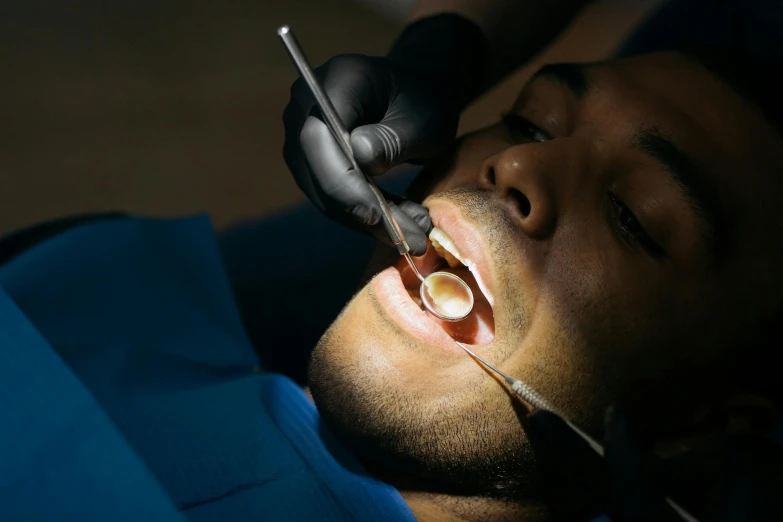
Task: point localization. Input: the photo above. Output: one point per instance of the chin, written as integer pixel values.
(414, 412)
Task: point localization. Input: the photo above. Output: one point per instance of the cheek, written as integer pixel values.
(362, 346)
(596, 331)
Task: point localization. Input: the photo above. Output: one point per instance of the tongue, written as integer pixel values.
(479, 326)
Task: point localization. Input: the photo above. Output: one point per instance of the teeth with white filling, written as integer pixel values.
(446, 249)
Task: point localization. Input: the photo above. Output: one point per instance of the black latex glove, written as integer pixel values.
(579, 485)
(400, 108)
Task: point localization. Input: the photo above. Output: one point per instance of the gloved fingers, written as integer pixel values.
(409, 215)
(343, 79)
(401, 137)
(571, 473)
(295, 114)
(357, 89)
(378, 147)
(417, 212)
(379, 138)
(414, 127)
(318, 164)
(343, 192)
(298, 166)
(347, 84)
(334, 176)
(348, 189)
(420, 215)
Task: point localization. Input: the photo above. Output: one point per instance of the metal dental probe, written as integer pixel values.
(532, 397)
(343, 138)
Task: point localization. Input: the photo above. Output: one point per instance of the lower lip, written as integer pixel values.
(398, 304)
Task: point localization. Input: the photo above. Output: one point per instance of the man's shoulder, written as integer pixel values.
(144, 282)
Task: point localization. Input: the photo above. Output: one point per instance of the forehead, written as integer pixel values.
(726, 138)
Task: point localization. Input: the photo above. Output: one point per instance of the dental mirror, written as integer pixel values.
(445, 295)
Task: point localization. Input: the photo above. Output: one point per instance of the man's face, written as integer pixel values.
(622, 220)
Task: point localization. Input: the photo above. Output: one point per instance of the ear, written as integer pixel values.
(743, 414)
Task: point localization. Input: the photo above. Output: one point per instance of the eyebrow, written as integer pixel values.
(701, 196)
(572, 76)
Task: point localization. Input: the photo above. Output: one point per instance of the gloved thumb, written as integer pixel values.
(402, 136)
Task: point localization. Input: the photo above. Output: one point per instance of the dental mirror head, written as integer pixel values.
(446, 296)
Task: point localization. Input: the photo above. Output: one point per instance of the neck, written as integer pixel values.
(441, 507)
(434, 504)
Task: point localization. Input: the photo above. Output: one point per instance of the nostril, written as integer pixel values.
(522, 202)
(490, 176)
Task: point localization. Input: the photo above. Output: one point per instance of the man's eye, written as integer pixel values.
(631, 230)
(522, 130)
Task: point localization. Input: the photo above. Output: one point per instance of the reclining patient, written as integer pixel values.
(624, 223)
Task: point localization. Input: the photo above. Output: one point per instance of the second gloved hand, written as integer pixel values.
(401, 108)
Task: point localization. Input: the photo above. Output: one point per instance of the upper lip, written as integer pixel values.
(468, 241)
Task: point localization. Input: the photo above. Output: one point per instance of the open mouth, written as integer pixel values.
(443, 255)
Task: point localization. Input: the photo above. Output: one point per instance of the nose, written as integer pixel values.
(523, 176)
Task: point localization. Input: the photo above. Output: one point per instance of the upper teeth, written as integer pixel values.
(446, 248)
